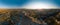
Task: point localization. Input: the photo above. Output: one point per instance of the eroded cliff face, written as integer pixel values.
(29, 17)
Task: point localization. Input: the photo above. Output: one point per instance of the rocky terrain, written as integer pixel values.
(29, 17)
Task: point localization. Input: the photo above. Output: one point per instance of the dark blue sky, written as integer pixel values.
(57, 2)
(22, 2)
(14, 2)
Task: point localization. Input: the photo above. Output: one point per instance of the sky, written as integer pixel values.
(29, 3)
